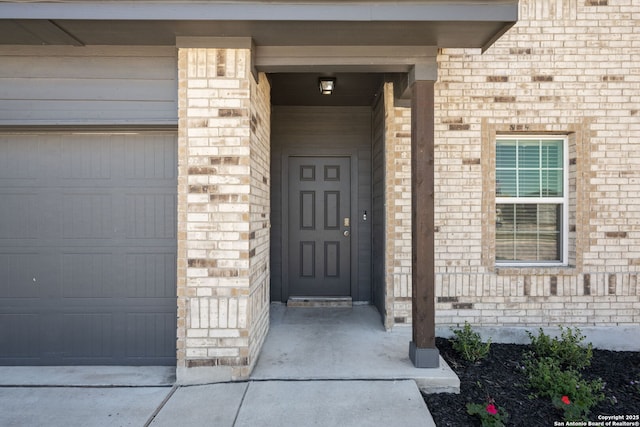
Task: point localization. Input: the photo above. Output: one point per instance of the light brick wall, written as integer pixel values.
(260, 223)
(223, 198)
(398, 210)
(569, 67)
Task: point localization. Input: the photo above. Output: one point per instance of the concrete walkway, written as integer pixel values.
(246, 404)
(319, 367)
(297, 403)
(343, 344)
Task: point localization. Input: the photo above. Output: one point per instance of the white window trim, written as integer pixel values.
(564, 201)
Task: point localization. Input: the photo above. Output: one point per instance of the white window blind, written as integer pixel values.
(531, 200)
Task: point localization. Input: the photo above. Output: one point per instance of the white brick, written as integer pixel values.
(219, 229)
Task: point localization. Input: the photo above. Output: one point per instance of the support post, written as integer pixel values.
(422, 349)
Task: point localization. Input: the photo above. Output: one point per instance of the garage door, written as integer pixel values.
(88, 248)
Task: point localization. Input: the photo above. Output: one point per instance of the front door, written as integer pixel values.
(319, 212)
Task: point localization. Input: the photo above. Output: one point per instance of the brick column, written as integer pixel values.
(397, 196)
(223, 207)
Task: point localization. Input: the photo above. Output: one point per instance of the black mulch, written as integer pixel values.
(500, 376)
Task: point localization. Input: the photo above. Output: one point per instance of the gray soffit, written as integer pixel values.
(461, 23)
(352, 89)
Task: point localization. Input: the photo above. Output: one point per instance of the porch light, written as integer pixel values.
(326, 85)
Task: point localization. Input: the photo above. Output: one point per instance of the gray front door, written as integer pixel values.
(319, 226)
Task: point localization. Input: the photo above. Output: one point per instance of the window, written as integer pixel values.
(531, 200)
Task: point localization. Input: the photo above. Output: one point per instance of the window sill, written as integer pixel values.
(515, 270)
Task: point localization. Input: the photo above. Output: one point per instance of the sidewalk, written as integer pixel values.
(297, 403)
(249, 404)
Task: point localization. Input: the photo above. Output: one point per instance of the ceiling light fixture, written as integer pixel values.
(326, 85)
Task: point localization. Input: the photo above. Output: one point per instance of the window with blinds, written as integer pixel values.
(531, 200)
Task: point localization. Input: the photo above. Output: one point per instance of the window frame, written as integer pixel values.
(563, 201)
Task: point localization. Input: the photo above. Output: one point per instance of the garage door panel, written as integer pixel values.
(30, 160)
(88, 275)
(118, 275)
(88, 243)
(18, 336)
(19, 158)
(88, 160)
(88, 216)
(152, 159)
(31, 215)
(18, 216)
(150, 216)
(100, 157)
(88, 336)
(19, 273)
(147, 335)
(150, 275)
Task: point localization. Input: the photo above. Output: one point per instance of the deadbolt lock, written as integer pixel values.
(347, 222)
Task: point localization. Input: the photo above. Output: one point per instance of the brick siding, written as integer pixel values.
(223, 205)
(568, 67)
(398, 211)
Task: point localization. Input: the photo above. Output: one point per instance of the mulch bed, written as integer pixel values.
(500, 376)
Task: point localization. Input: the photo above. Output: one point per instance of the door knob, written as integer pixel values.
(346, 233)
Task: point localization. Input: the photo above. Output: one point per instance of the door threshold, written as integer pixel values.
(319, 302)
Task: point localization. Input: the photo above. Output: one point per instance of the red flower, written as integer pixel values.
(565, 400)
(491, 408)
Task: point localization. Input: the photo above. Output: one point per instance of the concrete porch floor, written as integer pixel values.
(327, 343)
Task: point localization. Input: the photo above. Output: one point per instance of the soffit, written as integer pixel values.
(352, 89)
(462, 23)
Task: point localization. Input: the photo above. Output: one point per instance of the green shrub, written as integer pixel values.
(553, 370)
(568, 350)
(468, 344)
(549, 379)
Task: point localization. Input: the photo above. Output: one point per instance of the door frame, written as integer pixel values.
(315, 152)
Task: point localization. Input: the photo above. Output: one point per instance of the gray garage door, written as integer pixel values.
(88, 248)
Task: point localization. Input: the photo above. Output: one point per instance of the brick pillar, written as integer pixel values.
(397, 195)
(223, 207)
